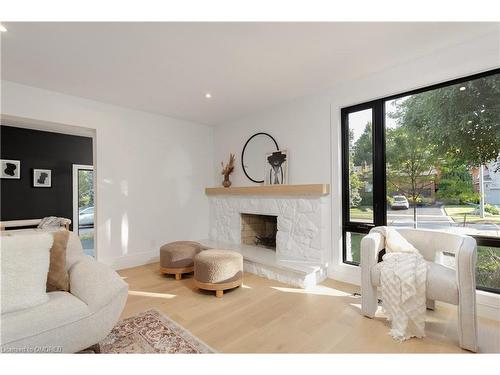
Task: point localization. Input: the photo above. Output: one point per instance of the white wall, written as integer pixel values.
(151, 170)
(310, 127)
(302, 127)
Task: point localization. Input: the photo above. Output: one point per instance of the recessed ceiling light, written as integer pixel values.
(3, 29)
(462, 88)
(208, 95)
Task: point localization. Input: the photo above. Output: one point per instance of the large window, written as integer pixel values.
(429, 158)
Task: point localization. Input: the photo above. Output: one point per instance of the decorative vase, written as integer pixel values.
(226, 183)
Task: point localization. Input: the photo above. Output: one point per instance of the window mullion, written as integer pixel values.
(379, 172)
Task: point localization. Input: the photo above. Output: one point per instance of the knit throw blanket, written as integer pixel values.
(402, 278)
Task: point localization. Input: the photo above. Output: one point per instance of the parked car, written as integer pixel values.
(399, 202)
(86, 217)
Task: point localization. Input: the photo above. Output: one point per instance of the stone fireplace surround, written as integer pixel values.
(301, 254)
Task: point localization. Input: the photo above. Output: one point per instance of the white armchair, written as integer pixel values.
(454, 286)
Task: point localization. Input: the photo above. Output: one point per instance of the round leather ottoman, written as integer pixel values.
(218, 270)
(176, 258)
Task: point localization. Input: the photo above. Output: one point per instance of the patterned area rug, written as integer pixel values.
(152, 332)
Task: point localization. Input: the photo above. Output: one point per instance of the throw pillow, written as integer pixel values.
(58, 278)
(24, 268)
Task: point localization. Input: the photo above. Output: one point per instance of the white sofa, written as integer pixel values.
(69, 322)
(454, 286)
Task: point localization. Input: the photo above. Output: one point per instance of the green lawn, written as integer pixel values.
(356, 246)
(457, 213)
(360, 213)
(87, 236)
(488, 267)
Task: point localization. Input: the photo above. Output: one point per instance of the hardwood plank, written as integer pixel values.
(265, 316)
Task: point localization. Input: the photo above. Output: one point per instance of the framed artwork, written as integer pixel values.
(42, 178)
(10, 168)
(276, 168)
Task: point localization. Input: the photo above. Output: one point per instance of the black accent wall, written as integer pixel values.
(40, 150)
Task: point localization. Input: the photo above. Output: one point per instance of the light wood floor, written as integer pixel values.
(265, 316)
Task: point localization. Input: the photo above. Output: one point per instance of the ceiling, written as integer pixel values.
(167, 68)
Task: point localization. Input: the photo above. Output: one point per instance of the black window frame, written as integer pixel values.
(379, 165)
(378, 159)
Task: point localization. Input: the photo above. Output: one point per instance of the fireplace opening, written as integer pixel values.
(259, 230)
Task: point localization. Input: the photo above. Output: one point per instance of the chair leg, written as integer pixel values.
(467, 325)
(219, 293)
(369, 301)
(178, 276)
(431, 304)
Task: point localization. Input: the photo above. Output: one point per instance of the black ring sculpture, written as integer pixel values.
(243, 154)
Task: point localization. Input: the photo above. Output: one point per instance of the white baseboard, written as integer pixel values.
(488, 305)
(345, 273)
(132, 260)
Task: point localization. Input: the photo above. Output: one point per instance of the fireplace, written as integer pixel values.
(259, 230)
(302, 220)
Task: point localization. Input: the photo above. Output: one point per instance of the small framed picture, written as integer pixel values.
(42, 178)
(10, 168)
(276, 168)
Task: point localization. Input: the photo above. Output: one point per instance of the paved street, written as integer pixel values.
(430, 215)
(87, 238)
(435, 218)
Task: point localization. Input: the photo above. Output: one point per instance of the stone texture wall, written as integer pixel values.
(302, 224)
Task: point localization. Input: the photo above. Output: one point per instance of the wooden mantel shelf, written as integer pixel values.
(278, 190)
